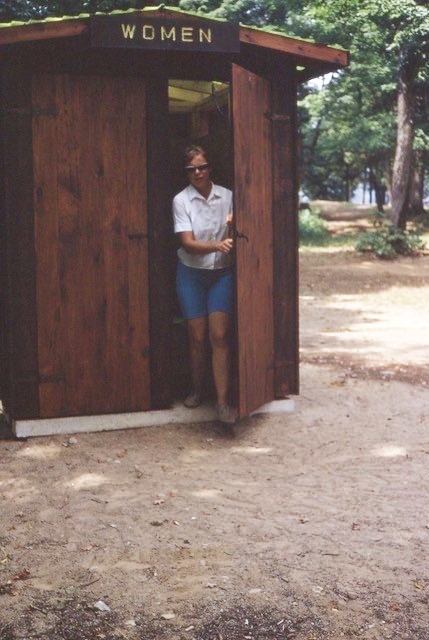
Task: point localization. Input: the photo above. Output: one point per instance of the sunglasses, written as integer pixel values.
(199, 167)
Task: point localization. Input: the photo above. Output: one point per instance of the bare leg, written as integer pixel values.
(197, 331)
(219, 330)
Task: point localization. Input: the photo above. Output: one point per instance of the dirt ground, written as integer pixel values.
(307, 526)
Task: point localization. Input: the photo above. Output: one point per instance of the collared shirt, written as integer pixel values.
(207, 220)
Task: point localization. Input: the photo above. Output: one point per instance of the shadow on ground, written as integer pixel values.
(74, 619)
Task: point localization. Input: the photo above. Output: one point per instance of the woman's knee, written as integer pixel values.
(219, 334)
(219, 341)
(197, 330)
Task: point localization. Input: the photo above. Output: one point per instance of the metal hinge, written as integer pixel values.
(240, 234)
(277, 117)
(50, 378)
(26, 111)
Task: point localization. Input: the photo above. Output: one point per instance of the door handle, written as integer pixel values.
(240, 235)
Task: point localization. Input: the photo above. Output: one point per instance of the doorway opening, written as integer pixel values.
(199, 113)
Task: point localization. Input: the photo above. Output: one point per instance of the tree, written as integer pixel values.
(348, 131)
(372, 119)
(397, 33)
(27, 9)
(19, 9)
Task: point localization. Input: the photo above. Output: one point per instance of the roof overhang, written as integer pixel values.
(309, 59)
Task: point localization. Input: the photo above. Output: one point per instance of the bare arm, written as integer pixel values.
(193, 246)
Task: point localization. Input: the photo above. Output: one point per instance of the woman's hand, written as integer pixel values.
(196, 247)
(226, 245)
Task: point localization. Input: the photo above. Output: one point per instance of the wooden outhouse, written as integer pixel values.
(95, 114)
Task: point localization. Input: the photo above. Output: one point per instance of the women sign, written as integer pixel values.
(159, 33)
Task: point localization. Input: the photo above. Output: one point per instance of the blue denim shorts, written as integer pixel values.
(204, 291)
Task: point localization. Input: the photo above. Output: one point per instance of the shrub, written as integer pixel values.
(312, 229)
(387, 241)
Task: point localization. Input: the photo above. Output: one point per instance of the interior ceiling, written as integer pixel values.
(190, 95)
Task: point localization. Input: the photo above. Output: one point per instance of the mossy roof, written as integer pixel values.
(67, 26)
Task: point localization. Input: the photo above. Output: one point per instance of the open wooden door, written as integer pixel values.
(89, 145)
(251, 104)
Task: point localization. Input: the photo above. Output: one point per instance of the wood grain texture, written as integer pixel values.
(253, 215)
(161, 243)
(42, 31)
(304, 50)
(46, 206)
(310, 51)
(90, 188)
(286, 241)
(18, 256)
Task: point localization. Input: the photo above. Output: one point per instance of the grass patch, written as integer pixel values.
(339, 225)
(387, 241)
(312, 229)
(315, 232)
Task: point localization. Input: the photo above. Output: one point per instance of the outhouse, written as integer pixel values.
(95, 113)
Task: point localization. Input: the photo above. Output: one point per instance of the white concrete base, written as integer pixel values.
(112, 422)
(276, 406)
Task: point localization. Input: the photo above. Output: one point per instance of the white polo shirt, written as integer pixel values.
(207, 220)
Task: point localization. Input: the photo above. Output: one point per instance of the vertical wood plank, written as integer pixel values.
(254, 260)
(286, 240)
(135, 149)
(68, 154)
(18, 247)
(161, 241)
(46, 208)
(5, 364)
(111, 216)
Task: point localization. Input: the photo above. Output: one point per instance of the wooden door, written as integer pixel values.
(89, 145)
(254, 253)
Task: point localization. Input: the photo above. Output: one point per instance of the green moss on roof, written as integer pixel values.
(275, 31)
(85, 16)
(80, 16)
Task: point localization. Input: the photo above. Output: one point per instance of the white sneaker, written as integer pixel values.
(193, 400)
(226, 414)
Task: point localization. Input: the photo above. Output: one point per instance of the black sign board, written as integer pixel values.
(182, 34)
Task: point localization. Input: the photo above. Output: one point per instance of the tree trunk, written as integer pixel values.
(347, 184)
(380, 197)
(364, 187)
(379, 190)
(404, 140)
(387, 173)
(311, 149)
(371, 183)
(415, 205)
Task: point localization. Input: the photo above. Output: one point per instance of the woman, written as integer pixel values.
(202, 213)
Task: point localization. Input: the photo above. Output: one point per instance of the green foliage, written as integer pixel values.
(349, 125)
(29, 10)
(312, 229)
(388, 242)
(354, 126)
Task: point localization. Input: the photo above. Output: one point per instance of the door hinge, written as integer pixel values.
(277, 117)
(27, 111)
(54, 377)
(240, 234)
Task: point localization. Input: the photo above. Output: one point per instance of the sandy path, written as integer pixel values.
(312, 525)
